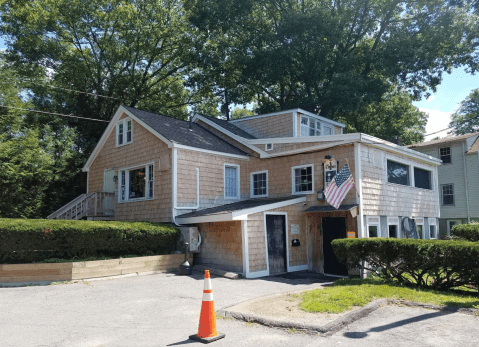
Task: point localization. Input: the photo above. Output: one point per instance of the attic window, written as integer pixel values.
(269, 147)
(124, 130)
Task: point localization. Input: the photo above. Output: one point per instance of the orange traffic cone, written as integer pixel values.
(207, 328)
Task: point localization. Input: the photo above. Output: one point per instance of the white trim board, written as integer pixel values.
(237, 156)
(321, 138)
(257, 274)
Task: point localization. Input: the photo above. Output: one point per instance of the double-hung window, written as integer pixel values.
(447, 194)
(259, 184)
(303, 177)
(373, 226)
(422, 178)
(420, 228)
(231, 181)
(393, 227)
(445, 155)
(432, 228)
(136, 183)
(124, 130)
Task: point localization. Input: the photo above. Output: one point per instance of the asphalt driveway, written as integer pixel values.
(163, 310)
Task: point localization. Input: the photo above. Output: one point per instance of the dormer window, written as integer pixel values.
(310, 126)
(124, 129)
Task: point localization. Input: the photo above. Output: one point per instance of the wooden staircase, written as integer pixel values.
(96, 205)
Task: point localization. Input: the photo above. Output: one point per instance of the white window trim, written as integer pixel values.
(124, 121)
(323, 126)
(448, 227)
(392, 221)
(237, 181)
(420, 221)
(370, 222)
(266, 147)
(252, 184)
(450, 154)
(432, 222)
(411, 165)
(301, 125)
(127, 183)
(293, 186)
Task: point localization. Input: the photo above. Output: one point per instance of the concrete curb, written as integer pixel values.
(471, 311)
(216, 272)
(327, 329)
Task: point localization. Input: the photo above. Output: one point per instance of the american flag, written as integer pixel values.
(339, 187)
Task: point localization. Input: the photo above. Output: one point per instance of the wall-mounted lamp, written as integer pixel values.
(320, 195)
(115, 179)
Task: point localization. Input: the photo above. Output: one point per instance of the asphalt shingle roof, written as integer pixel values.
(237, 206)
(329, 208)
(443, 140)
(230, 127)
(177, 130)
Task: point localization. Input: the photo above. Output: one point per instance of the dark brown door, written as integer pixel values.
(275, 232)
(333, 228)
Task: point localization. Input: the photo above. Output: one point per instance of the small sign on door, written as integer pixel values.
(294, 229)
(351, 234)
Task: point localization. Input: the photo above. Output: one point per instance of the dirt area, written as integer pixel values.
(285, 307)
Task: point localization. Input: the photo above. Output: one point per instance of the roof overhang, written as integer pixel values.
(111, 127)
(238, 214)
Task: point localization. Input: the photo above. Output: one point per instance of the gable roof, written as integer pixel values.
(443, 140)
(230, 127)
(178, 131)
(172, 131)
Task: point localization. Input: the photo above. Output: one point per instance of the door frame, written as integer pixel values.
(104, 179)
(322, 246)
(285, 214)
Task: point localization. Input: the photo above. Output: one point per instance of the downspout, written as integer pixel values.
(359, 195)
(465, 182)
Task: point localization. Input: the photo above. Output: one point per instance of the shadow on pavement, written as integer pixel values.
(300, 277)
(360, 335)
(184, 342)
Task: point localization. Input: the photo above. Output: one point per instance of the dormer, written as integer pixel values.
(289, 123)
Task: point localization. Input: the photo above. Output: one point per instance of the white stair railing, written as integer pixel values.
(96, 204)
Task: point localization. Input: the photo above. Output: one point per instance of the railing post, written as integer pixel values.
(96, 203)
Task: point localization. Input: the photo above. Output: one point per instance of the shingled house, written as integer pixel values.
(254, 186)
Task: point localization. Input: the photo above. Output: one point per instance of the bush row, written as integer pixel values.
(434, 264)
(29, 240)
(469, 232)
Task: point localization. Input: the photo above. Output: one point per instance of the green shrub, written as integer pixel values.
(28, 240)
(425, 263)
(469, 232)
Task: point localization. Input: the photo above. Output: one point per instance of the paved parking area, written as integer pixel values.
(163, 310)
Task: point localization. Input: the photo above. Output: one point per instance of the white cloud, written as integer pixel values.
(436, 121)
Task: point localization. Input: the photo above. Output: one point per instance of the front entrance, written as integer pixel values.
(333, 228)
(276, 236)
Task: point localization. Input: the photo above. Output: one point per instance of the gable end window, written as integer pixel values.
(398, 173)
(231, 181)
(445, 155)
(303, 179)
(447, 191)
(259, 183)
(136, 183)
(124, 130)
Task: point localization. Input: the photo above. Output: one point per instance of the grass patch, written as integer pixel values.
(347, 293)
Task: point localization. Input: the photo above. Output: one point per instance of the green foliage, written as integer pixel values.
(347, 293)
(35, 240)
(436, 264)
(466, 119)
(469, 232)
(393, 116)
(238, 113)
(334, 57)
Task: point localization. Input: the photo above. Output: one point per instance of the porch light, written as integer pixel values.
(320, 195)
(115, 179)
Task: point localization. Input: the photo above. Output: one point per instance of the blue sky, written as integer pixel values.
(454, 88)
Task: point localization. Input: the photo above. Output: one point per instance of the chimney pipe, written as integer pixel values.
(191, 120)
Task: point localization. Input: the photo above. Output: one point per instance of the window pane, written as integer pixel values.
(259, 184)
(304, 130)
(373, 231)
(398, 173)
(120, 133)
(447, 195)
(231, 189)
(422, 178)
(304, 120)
(419, 231)
(445, 154)
(393, 231)
(327, 131)
(311, 132)
(137, 184)
(303, 178)
(432, 231)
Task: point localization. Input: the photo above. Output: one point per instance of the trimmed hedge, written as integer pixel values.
(469, 232)
(30, 240)
(433, 264)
